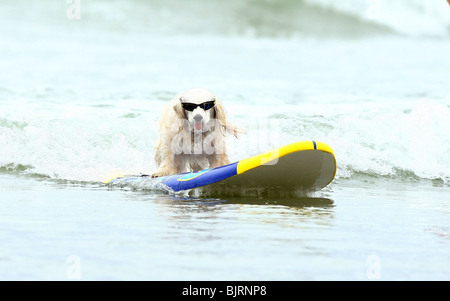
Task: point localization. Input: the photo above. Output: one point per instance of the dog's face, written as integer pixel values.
(199, 108)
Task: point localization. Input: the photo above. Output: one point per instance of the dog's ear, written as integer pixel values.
(179, 109)
(221, 117)
(220, 113)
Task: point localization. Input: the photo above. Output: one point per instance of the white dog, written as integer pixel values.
(191, 134)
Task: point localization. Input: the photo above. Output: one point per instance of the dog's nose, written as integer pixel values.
(198, 117)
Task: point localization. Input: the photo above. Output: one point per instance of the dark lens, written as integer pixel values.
(207, 105)
(189, 106)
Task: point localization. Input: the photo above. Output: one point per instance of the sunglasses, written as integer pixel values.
(192, 106)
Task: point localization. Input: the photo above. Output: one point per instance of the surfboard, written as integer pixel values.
(301, 166)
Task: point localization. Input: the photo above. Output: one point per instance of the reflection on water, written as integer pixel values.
(300, 202)
(205, 214)
(185, 198)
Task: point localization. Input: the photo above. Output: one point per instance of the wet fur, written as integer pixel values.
(174, 125)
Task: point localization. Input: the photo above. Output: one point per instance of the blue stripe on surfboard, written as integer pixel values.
(201, 178)
(315, 145)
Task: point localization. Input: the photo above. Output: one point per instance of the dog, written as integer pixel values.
(192, 129)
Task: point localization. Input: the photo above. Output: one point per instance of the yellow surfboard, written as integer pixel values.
(298, 167)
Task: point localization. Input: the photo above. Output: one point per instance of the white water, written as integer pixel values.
(415, 18)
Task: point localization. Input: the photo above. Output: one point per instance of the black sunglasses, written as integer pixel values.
(192, 106)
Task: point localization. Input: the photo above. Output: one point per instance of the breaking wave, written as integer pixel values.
(404, 141)
(279, 18)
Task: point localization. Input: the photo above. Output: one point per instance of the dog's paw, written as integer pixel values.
(161, 174)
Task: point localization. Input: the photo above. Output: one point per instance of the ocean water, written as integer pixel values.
(82, 86)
